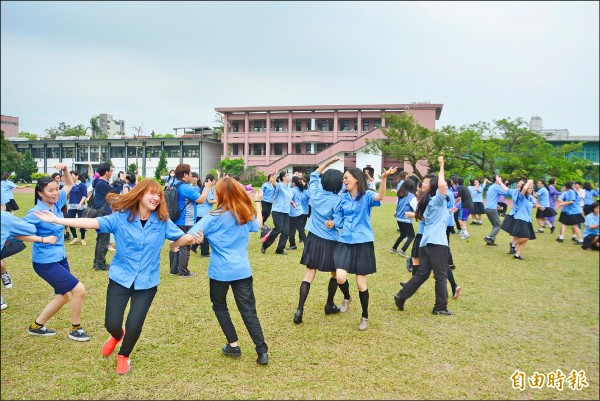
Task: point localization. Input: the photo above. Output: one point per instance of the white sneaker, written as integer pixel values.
(6, 280)
(111, 248)
(83, 242)
(3, 304)
(456, 293)
(74, 241)
(364, 323)
(345, 305)
(465, 235)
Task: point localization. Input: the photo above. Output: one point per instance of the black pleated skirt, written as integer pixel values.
(318, 253)
(571, 219)
(357, 259)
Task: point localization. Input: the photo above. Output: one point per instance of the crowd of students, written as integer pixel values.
(219, 215)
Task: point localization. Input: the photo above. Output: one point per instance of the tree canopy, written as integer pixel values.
(233, 167)
(65, 130)
(10, 158)
(27, 167)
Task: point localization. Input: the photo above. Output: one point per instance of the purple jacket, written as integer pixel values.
(554, 194)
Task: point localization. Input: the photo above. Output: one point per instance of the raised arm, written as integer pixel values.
(501, 183)
(328, 163)
(442, 185)
(67, 179)
(49, 217)
(258, 195)
(382, 186)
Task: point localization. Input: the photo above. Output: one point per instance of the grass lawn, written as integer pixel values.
(538, 315)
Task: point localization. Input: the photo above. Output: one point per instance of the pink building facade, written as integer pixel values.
(299, 138)
(10, 126)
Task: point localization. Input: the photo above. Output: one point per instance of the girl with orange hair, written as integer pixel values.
(228, 229)
(141, 225)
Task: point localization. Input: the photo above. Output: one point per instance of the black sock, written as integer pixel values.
(364, 302)
(414, 269)
(345, 288)
(304, 289)
(331, 289)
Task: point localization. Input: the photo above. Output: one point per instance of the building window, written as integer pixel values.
(278, 149)
(172, 151)
(82, 154)
(298, 148)
(309, 148)
(235, 149)
(278, 125)
(94, 155)
(365, 126)
(377, 123)
(191, 151)
(52, 153)
(117, 152)
(152, 151)
(236, 126)
(345, 125)
(257, 126)
(37, 153)
(68, 152)
(298, 125)
(322, 146)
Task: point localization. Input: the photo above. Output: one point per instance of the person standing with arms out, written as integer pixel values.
(141, 224)
(187, 199)
(519, 225)
(228, 228)
(319, 248)
(405, 195)
(476, 190)
(268, 191)
(77, 196)
(433, 251)
(50, 259)
(282, 199)
(101, 190)
(355, 251)
(495, 190)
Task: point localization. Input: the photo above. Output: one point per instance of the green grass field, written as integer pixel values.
(538, 315)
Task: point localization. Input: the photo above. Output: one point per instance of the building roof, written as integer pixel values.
(380, 107)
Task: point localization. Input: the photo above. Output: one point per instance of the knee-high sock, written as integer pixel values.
(331, 289)
(364, 302)
(345, 288)
(304, 289)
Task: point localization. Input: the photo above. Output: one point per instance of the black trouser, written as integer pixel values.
(282, 226)
(406, 231)
(117, 298)
(179, 260)
(265, 210)
(71, 214)
(297, 223)
(246, 304)
(102, 241)
(431, 257)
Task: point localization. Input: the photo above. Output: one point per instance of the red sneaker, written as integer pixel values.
(110, 344)
(123, 364)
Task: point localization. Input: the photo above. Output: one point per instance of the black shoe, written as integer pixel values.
(263, 249)
(409, 265)
(262, 359)
(452, 266)
(473, 223)
(298, 316)
(291, 248)
(205, 256)
(280, 252)
(402, 284)
(512, 250)
(489, 241)
(519, 257)
(560, 240)
(552, 228)
(194, 248)
(104, 268)
(399, 301)
(234, 352)
(445, 312)
(330, 309)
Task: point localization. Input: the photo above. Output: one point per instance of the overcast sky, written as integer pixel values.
(170, 64)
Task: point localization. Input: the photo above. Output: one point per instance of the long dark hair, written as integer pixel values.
(40, 186)
(298, 181)
(408, 186)
(361, 179)
(424, 200)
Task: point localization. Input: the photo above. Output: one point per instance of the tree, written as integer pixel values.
(28, 135)
(65, 130)
(161, 168)
(233, 167)
(27, 167)
(10, 158)
(408, 141)
(220, 121)
(132, 168)
(95, 126)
